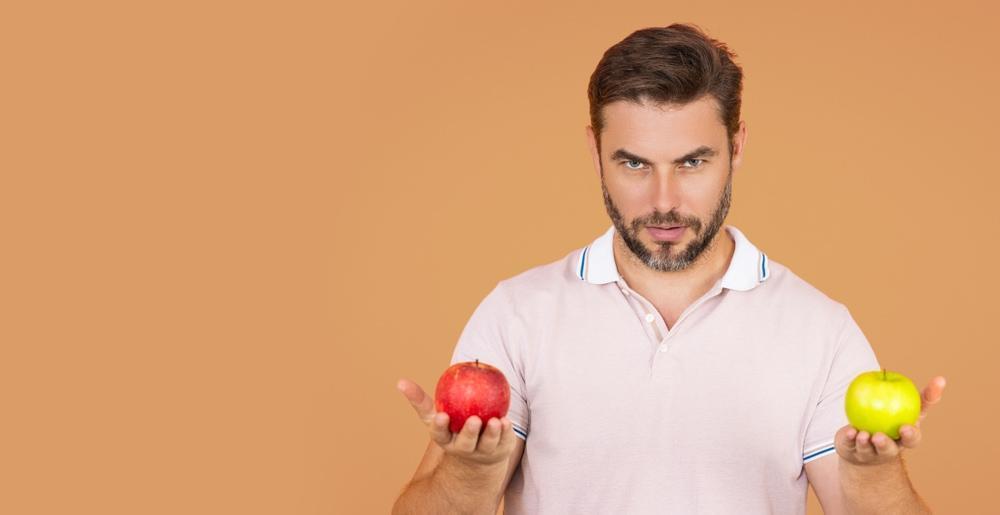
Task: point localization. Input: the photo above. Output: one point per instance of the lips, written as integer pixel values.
(670, 233)
(664, 226)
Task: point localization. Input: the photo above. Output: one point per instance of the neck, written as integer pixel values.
(710, 266)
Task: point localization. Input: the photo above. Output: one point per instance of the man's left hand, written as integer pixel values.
(861, 448)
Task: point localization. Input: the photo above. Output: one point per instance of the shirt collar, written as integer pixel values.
(747, 269)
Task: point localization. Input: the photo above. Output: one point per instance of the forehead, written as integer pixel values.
(659, 128)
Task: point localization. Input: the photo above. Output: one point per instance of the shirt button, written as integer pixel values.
(650, 317)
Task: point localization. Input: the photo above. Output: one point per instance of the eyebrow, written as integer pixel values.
(702, 151)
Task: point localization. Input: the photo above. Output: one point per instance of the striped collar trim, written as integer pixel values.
(748, 267)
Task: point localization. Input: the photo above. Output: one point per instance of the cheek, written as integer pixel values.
(630, 191)
(630, 203)
(704, 195)
(704, 202)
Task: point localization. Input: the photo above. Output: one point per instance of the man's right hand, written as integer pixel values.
(493, 447)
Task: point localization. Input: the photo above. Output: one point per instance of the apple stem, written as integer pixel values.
(477, 362)
(883, 373)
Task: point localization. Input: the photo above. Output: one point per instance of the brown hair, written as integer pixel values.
(676, 65)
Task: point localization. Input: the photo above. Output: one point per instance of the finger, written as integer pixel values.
(507, 435)
(864, 445)
(909, 436)
(932, 394)
(467, 438)
(422, 403)
(490, 438)
(845, 438)
(439, 429)
(884, 446)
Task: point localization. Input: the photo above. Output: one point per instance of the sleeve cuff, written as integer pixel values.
(520, 431)
(819, 452)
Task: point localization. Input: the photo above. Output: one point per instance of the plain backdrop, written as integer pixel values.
(228, 228)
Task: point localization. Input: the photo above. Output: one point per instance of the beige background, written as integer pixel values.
(229, 228)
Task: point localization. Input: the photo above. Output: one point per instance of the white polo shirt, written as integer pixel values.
(716, 415)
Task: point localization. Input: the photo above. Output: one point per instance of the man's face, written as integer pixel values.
(665, 166)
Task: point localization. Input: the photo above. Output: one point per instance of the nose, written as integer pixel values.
(665, 191)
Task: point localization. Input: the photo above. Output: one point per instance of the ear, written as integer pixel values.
(739, 144)
(594, 154)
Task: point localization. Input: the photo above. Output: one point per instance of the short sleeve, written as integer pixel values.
(852, 356)
(488, 337)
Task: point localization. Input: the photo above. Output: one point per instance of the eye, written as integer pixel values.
(633, 161)
(700, 161)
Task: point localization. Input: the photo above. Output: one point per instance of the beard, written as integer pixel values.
(664, 258)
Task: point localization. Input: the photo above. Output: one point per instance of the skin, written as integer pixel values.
(668, 189)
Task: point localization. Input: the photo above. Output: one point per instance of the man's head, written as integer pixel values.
(665, 137)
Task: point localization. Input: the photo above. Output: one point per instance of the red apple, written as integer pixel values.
(472, 388)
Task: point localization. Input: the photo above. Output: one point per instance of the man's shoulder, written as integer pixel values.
(545, 279)
(793, 291)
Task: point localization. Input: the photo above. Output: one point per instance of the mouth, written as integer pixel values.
(666, 232)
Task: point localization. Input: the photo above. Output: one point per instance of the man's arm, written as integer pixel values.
(844, 488)
(868, 474)
(882, 489)
(443, 485)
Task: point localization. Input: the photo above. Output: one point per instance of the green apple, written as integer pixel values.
(881, 402)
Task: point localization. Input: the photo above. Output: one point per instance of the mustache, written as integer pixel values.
(669, 218)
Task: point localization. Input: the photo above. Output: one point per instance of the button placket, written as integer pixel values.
(659, 329)
(650, 317)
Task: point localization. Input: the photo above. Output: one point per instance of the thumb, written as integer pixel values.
(422, 403)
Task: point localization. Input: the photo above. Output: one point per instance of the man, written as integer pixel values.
(670, 366)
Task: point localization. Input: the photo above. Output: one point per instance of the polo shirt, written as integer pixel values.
(717, 414)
